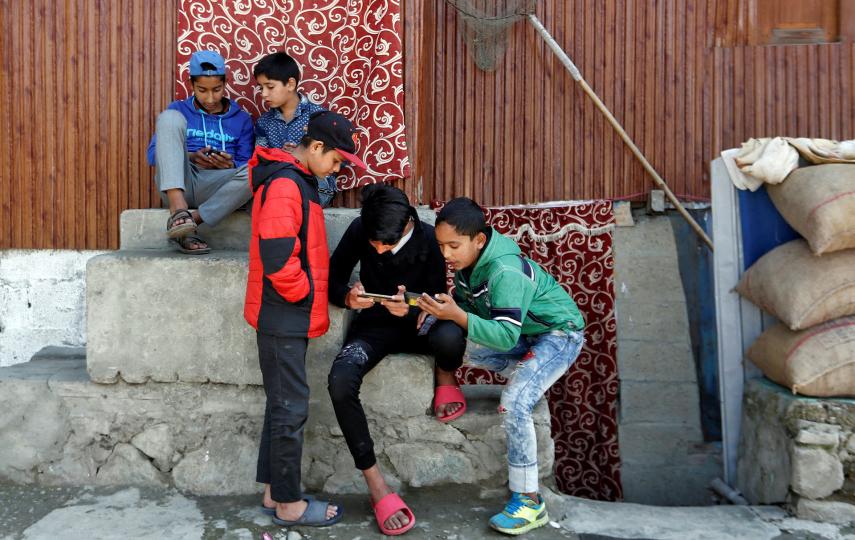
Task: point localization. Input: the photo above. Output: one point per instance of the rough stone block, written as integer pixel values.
(824, 511)
(623, 214)
(817, 473)
(203, 438)
(792, 444)
(819, 435)
(128, 466)
(225, 465)
(156, 443)
(656, 201)
(763, 468)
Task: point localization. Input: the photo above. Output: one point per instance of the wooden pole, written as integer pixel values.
(577, 76)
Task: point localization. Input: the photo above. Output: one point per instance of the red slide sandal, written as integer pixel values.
(443, 395)
(386, 507)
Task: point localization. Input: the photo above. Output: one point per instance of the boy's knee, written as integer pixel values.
(448, 343)
(514, 407)
(171, 119)
(343, 383)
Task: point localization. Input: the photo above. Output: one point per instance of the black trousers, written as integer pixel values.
(283, 368)
(364, 348)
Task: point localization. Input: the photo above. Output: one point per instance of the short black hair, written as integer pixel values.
(306, 141)
(207, 66)
(278, 66)
(385, 213)
(464, 215)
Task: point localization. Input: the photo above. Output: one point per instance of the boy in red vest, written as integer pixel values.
(286, 301)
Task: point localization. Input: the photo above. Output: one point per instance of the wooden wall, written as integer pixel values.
(526, 132)
(83, 81)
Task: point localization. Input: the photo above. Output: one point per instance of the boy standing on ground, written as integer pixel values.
(397, 252)
(286, 302)
(200, 148)
(530, 329)
(284, 124)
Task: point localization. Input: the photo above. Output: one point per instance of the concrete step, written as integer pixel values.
(145, 229)
(62, 429)
(163, 316)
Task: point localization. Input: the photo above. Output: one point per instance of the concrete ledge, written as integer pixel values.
(159, 316)
(59, 428)
(146, 229)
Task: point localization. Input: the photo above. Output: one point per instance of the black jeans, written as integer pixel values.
(283, 368)
(364, 349)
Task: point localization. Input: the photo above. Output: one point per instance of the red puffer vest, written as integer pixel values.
(286, 291)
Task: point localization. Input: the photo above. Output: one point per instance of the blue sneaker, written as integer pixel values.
(520, 515)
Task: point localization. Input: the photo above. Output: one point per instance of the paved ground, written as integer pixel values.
(458, 513)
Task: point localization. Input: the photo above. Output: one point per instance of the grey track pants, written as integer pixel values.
(215, 192)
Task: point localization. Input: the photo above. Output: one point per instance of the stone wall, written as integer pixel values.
(798, 450)
(41, 301)
(59, 428)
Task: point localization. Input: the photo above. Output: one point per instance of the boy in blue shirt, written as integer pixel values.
(530, 331)
(285, 123)
(200, 149)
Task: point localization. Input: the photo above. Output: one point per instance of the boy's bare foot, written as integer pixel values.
(378, 488)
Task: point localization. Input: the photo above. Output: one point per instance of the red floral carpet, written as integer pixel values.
(350, 53)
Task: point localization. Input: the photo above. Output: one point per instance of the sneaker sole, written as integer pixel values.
(521, 530)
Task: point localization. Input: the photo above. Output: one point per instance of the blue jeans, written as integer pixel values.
(531, 367)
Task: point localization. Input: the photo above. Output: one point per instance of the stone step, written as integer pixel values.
(145, 229)
(163, 316)
(63, 429)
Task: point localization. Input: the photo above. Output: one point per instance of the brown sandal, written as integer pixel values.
(183, 245)
(183, 229)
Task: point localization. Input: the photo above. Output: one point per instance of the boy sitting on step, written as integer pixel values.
(199, 150)
(278, 76)
(530, 329)
(397, 252)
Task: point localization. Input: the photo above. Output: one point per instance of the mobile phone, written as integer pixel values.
(377, 297)
(411, 298)
(213, 151)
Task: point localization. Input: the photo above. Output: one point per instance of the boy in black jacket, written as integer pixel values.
(397, 253)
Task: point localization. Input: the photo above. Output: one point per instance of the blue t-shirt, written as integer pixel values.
(273, 131)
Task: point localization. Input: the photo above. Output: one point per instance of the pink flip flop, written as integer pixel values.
(387, 506)
(443, 395)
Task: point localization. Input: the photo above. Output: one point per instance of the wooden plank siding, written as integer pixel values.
(83, 81)
(676, 73)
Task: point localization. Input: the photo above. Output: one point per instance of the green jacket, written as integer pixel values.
(508, 295)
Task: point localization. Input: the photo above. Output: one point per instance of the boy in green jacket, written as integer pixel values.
(530, 329)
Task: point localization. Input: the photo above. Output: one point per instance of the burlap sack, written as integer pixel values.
(819, 202)
(799, 288)
(816, 362)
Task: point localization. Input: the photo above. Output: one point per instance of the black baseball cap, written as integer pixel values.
(335, 131)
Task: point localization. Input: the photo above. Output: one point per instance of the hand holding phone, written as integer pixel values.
(354, 298)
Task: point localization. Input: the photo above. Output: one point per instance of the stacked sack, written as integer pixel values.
(809, 285)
